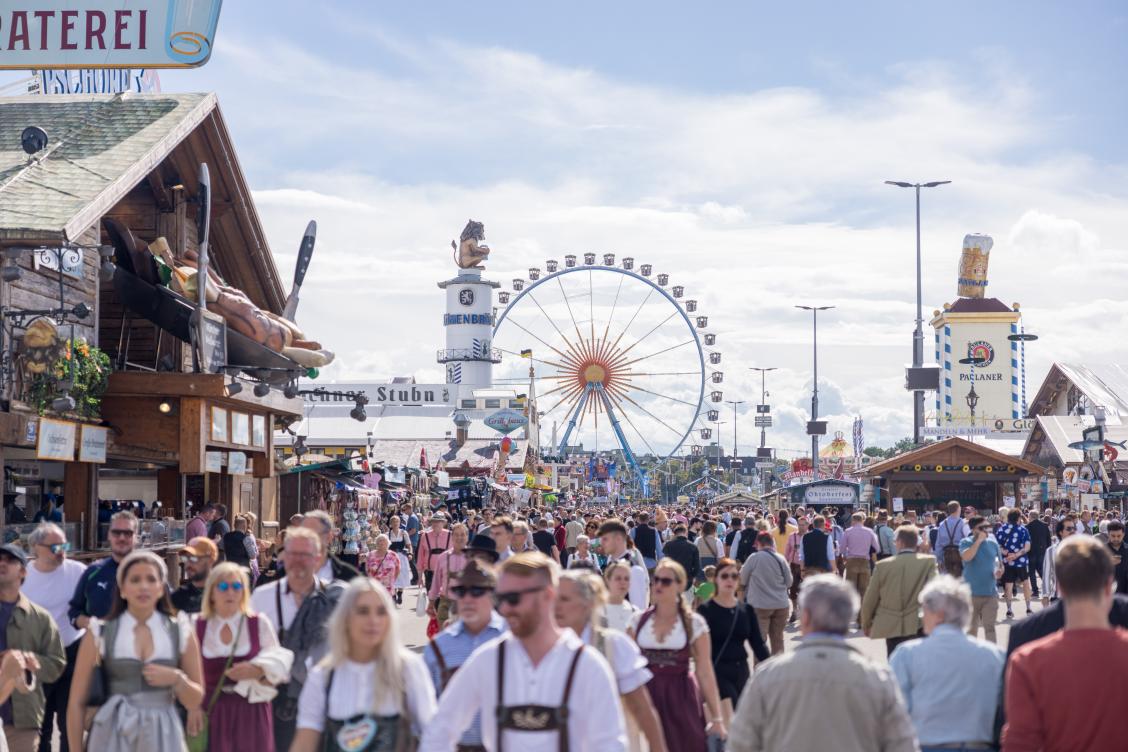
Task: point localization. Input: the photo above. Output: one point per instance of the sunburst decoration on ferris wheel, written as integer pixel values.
(613, 342)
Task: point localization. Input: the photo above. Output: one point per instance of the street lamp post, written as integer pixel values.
(734, 404)
(918, 332)
(760, 417)
(814, 384)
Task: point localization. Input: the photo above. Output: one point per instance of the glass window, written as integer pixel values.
(493, 403)
(515, 404)
(469, 404)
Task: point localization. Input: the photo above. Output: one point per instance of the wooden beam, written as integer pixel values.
(161, 194)
(193, 434)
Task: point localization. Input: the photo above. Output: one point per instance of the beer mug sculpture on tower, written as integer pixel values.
(973, 265)
(190, 29)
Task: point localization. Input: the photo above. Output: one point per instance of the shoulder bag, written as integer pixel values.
(199, 742)
(99, 689)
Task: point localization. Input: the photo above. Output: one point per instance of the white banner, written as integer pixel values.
(93, 445)
(56, 440)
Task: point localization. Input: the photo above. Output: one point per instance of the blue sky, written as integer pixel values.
(740, 146)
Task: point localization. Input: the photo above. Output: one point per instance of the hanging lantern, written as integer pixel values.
(710, 339)
(706, 433)
(717, 396)
(551, 265)
(503, 297)
(569, 261)
(646, 269)
(690, 306)
(714, 358)
(609, 259)
(628, 262)
(713, 416)
(718, 377)
(702, 322)
(518, 285)
(678, 291)
(589, 258)
(663, 279)
(534, 274)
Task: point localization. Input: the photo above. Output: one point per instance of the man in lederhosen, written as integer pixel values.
(537, 689)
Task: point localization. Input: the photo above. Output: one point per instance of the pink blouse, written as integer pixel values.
(384, 569)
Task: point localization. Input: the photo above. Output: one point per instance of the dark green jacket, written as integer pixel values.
(32, 630)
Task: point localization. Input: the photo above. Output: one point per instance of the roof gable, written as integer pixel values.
(936, 448)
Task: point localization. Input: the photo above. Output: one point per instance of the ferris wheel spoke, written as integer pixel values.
(572, 395)
(591, 303)
(651, 355)
(571, 315)
(562, 387)
(563, 355)
(627, 397)
(568, 343)
(663, 396)
(630, 374)
(635, 316)
(614, 305)
(626, 416)
(641, 339)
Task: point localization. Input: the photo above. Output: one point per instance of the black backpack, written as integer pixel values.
(747, 545)
(950, 557)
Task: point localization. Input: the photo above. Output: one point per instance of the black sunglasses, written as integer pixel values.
(664, 581)
(513, 597)
(474, 591)
(122, 533)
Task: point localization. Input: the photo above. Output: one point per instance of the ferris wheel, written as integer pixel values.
(621, 359)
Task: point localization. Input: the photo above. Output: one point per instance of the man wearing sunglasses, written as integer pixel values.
(537, 689)
(51, 578)
(472, 589)
(199, 556)
(93, 595)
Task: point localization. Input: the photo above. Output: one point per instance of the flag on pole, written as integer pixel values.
(526, 353)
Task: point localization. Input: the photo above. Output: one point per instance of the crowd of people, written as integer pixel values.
(582, 627)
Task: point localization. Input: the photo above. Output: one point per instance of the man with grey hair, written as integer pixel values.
(948, 669)
(825, 693)
(330, 568)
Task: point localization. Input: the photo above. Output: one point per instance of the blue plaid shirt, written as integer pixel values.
(456, 645)
(1012, 539)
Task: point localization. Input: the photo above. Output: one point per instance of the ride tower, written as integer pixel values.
(469, 318)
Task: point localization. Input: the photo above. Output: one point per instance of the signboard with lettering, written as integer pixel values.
(94, 80)
(215, 343)
(47, 34)
(56, 440)
(831, 495)
(92, 448)
(379, 394)
(506, 421)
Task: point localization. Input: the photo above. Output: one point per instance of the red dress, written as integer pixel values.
(674, 691)
(235, 725)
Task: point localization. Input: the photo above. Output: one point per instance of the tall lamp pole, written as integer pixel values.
(918, 332)
(815, 383)
(734, 404)
(760, 419)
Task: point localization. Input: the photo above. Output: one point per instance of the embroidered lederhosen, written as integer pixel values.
(534, 717)
(366, 732)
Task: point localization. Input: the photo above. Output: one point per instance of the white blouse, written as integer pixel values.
(124, 646)
(675, 640)
(214, 647)
(626, 660)
(619, 616)
(353, 693)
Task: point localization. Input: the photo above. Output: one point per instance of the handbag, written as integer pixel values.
(99, 690)
(199, 742)
(421, 603)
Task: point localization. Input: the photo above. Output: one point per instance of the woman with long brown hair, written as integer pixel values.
(149, 659)
(669, 635)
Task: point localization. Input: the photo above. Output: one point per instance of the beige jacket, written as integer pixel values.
(890, 607)
(824, 695)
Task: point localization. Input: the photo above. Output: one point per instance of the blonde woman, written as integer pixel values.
(240, 652)
(618, 611)
(580, 597)
(670, 635)
(370, 694)
(151, 660)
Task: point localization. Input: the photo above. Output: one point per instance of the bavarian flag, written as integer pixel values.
(526, 353)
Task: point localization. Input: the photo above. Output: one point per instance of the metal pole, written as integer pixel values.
(763, 398)
(815, 393)
(918, 334)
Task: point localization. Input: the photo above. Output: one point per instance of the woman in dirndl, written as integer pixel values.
(370, 694)
(400, 542)
(242, 663)
(669, 635)
(149, 659)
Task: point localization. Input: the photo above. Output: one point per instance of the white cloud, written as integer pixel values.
(754, 201)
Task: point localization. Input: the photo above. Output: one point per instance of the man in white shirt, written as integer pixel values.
(51, 579)
(613, 545)
(298, 606)
(520, 682)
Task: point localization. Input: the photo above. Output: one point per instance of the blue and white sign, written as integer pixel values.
(95, 81)
(506, 421)
(478, 319)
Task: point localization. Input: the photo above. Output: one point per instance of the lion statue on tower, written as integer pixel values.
(471, 249)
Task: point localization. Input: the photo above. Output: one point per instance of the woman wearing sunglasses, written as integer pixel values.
(242, 663)
(670, 635)
(732, 624)
(370, 694)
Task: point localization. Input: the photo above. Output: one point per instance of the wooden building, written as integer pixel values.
(951, 469)
(169, 434)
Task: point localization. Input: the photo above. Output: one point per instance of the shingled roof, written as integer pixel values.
(101, 146)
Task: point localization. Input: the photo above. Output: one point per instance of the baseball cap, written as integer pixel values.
(15, 552)
(202, 547)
